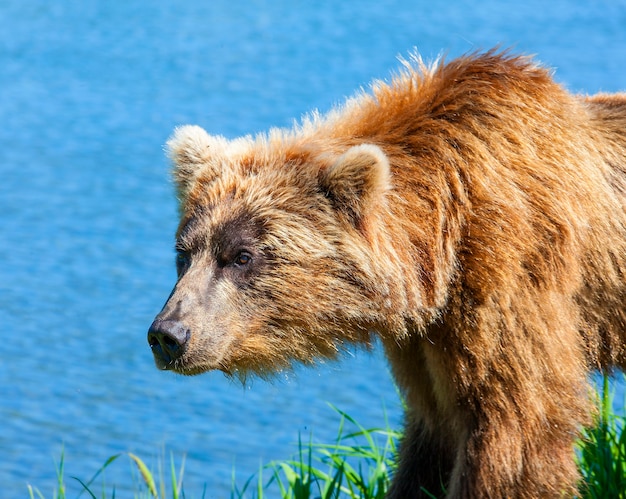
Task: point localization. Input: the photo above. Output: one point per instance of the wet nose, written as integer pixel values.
(167, 340)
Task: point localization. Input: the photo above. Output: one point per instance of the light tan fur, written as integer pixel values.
(472, 215)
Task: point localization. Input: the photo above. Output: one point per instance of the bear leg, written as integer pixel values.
(509, 458)
(424, 465)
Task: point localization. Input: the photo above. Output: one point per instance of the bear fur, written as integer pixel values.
(471, 215)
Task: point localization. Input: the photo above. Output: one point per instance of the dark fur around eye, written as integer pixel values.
(244, 267)
(183, 261)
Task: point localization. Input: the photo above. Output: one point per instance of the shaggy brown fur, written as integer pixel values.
(471, 214)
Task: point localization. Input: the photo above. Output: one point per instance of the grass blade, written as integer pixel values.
(146, 475)
(96, 474)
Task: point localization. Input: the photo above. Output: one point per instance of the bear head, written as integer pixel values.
(281, 253)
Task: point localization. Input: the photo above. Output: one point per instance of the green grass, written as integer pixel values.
(602, 451)
(148, 485)
(357, 465)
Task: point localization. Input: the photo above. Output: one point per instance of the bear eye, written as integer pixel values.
(244, 258)
(183, 261)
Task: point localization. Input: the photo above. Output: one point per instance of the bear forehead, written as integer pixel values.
(268, 199)
(256, 187)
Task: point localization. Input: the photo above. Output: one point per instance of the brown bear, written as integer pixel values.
(471, 215)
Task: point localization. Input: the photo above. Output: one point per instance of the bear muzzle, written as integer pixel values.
(168, 340)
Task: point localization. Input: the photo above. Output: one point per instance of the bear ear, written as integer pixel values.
(193, 152)
(357, 181)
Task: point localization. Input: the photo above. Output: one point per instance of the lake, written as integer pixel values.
(90, 91)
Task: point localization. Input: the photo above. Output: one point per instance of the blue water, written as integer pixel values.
(89, 92)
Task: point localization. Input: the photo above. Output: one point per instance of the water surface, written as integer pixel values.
(89, 93)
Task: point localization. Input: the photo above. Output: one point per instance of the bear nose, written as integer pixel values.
(167, 339)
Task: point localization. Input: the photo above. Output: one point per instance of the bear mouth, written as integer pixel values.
(179, 365)
(162, 360)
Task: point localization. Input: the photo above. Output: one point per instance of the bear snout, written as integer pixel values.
(167, 339)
